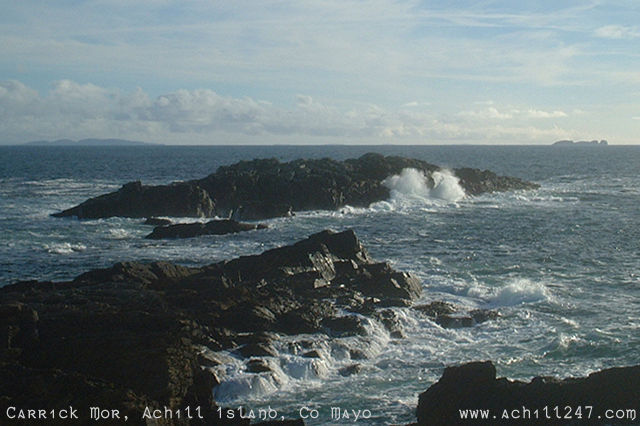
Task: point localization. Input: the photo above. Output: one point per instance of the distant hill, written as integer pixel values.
(581, 143)
(89, 142)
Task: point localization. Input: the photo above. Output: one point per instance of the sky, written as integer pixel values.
(317, 72)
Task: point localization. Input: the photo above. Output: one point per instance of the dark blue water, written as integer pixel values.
(561, 264)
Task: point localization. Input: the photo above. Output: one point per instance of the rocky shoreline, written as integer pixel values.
(262, 189)
(140, 335)
(136, 337)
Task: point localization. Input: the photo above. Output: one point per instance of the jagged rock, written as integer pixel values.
(131, 335)
(312, 354)
(475, 386)
(260, 189)
(344, 326)
(257, 349)
(258, 366)
(214, 227)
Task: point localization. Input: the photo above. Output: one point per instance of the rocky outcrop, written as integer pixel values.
(474, 386)
(214, 227)
(131, 336)
(259, 189)
(136, 200)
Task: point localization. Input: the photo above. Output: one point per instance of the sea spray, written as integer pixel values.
(412, 183)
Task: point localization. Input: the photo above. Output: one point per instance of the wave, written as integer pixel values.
(413, 183)
(64, 248)
(294, 367)
(518, 291)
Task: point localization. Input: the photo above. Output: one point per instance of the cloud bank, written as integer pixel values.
(74, 110)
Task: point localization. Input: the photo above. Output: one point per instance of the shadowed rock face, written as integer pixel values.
(130, 335)
(260, 189)
(214, 227)
(475, 386)
(137, 200)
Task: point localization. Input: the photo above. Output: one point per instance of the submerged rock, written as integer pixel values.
(156, 221)
(448, 315)
(214, 227)
(475, 386)
(132, 335)
(260, 189)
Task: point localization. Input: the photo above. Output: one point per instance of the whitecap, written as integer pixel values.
(118, 234)
(521, 290)
(64, 248)
(412, 184)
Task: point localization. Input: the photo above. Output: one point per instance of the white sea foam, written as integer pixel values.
(64, 248)
(519, 291)
(118, 234)
(413, 184)
(292, 368)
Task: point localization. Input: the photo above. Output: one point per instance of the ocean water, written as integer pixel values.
(560, 264)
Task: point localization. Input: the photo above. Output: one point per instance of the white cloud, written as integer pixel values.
(493, 113)
(73, 110)
(487, 113)
(617, 32)
(535, 113)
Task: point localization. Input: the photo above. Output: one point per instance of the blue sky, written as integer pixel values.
(309, 72)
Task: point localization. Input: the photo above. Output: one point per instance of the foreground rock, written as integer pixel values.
(214, 227)
(475, 386)
(260, 189)
(131, 336)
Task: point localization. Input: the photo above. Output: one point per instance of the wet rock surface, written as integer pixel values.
(156, 221)
(213, 227)
(448, 315)
(260, 189)
(475, 386)
(131, 336)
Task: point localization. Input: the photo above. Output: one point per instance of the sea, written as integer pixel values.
(560, 264)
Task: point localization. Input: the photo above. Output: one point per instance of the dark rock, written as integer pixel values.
(482, 315)
(260, 189)
(214, 227)
(344, 326)
(155, 221)
(446, 315)
(137, 200)
(450, 321)
(350, 370)
(131, 335)
(258, 366)
(436, 309)
(357, 354)
(257, 349)
(312, 354)
(474, 386)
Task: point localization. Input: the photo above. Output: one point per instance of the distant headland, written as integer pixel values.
(89, 142)
(581, 143)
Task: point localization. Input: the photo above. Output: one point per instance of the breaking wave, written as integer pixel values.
(412, 183)
(64, 248)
